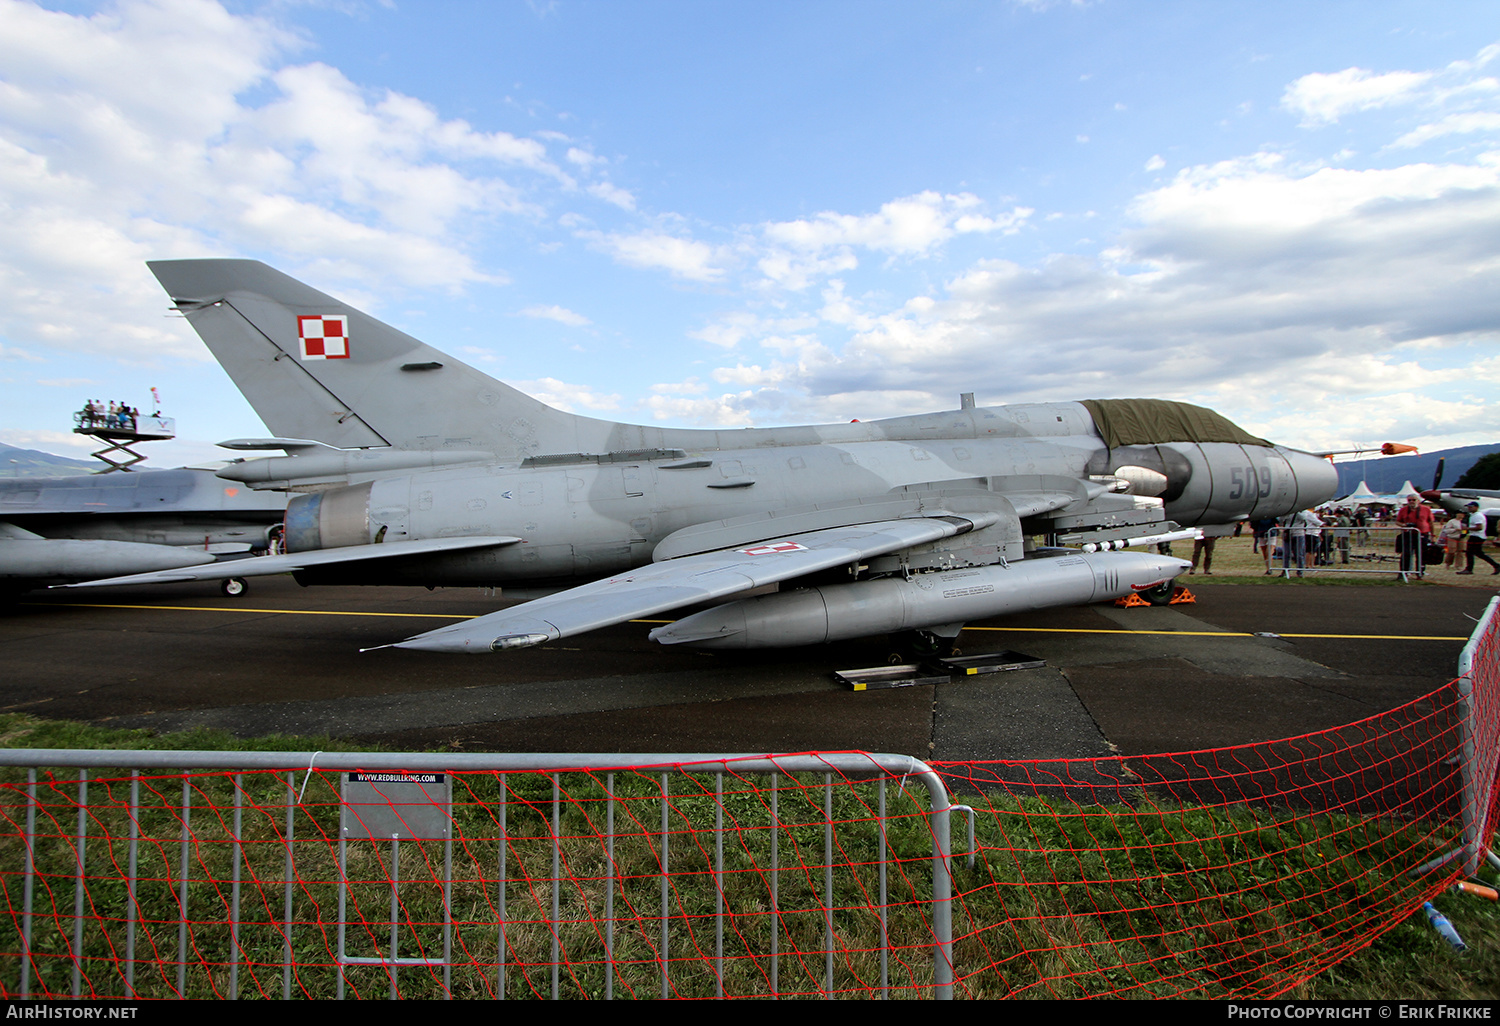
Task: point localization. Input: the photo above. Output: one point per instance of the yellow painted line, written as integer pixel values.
(1218, 634)
(1100, 630)
(1380, 637)
(472, 616)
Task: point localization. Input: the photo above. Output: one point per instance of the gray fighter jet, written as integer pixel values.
(419, 469)
(1456, 500)
(54, 530)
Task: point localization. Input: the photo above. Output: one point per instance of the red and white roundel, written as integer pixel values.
(766, 550)
(324, 336)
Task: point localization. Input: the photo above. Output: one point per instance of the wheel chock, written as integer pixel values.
(1180, 597)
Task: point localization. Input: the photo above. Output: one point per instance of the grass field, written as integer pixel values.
(1236, 563)
(1148, 899)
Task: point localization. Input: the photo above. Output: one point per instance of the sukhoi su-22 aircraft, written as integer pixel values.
(413, 468)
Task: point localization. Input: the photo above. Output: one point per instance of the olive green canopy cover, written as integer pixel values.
(1151, 421)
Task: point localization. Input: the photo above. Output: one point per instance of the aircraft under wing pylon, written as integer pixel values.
(674, 583)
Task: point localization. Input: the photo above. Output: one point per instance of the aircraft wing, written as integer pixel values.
(292, 561)
(673, 583)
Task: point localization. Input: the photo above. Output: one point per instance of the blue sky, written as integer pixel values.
(722, 213)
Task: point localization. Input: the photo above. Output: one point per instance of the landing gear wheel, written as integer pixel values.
(915, 646)
(234, 587)
(1160, 595)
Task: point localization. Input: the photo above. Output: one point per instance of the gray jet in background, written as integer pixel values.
(418, 469)
(54, 530)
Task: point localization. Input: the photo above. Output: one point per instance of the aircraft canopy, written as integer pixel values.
(1152, 421)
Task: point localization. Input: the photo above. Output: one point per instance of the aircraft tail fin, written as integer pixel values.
(316, 368)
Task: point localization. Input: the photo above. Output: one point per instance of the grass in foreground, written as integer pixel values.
(1235, 562)
(1146, 899)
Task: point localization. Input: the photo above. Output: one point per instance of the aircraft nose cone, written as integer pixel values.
(1317, 480)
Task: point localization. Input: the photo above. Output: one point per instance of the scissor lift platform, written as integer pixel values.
(119, 439)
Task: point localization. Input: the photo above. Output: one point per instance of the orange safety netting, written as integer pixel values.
(742, 908)
(1239, 871)
(1234, 872)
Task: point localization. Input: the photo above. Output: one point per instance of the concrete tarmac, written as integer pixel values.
(284, 659)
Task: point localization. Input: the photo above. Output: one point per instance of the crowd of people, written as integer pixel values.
(1310, 539)
(114, 417)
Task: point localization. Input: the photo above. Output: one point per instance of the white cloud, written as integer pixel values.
(391, 157)
(796, 254)
(788, 269)
(583, 158)
(692, 386)
(1452, 124)
(479, 354)
(127, 135)
(1255, 198)
(1322, 98)
(561, 315)
(730, 329)
(49, 441)
(345, 247)
(911, 225)
(755, 376)
(1324, 420)
(724, 411)
(1302, 301)
(177, 128)
(567, 396)
(682, 258)
(612, 194)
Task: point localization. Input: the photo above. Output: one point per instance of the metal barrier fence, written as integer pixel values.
(1478, 686)
(1348, 550)
(1234, 872)
(674, 876)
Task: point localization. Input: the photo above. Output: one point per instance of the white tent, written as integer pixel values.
(1362, 496)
